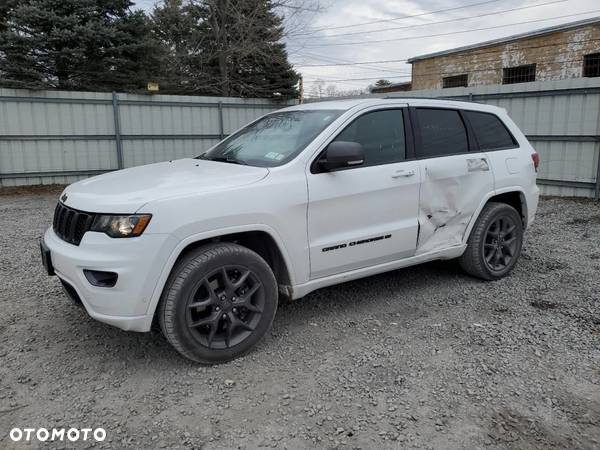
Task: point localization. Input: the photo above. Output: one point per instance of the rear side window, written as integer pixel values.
(381, 133)
(442, 132)
(490, 131)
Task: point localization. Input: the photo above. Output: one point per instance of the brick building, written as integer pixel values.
(564, 51)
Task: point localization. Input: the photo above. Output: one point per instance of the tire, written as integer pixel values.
(211, 320)
(494, 245)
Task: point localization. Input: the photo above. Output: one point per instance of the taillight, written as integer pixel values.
(535, 156)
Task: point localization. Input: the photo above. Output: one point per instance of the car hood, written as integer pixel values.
(126, 191)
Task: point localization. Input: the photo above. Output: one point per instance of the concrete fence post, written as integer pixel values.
(117, 120)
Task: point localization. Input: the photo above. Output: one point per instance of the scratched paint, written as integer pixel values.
(449, 196)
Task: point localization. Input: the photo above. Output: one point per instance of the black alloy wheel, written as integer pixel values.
(494, 245)
(500, 246)
(226, 307)
(219, 302)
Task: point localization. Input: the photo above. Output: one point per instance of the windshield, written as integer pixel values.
(273, 140)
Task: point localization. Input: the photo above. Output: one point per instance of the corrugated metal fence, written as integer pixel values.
(59, 137)
(560, 118)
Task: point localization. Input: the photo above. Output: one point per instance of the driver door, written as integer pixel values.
(365, 215)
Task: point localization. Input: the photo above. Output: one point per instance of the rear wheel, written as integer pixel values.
(494, 245)
(219, 302)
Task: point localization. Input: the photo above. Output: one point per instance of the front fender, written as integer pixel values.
(197, 237)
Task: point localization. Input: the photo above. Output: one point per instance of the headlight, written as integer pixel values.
(121, 226)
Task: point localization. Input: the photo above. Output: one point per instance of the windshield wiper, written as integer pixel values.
(225, 159)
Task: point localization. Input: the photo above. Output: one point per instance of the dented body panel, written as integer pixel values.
(450, 191)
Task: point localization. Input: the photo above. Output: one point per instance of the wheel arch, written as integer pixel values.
(516, 199)
(513, 196)
(259, 238)
(259, 241)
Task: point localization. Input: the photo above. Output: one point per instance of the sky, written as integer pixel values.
(338, 33)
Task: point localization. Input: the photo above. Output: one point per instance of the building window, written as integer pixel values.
(591, 65)
(455, 81)
(519, 74)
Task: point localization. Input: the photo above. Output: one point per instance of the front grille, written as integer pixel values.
(70, 224)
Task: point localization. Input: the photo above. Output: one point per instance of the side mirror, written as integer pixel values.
(342, 154)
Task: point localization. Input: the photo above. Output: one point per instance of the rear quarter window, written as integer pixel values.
(490, 131)
(442, 132)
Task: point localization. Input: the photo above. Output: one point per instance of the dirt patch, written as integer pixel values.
(31, 190)
(544, 305)
(549, 264)
(585, 220)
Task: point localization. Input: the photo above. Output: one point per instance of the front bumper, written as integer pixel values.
(137, 261)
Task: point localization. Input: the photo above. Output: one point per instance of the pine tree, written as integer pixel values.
(224, 47)
(244, 45)
(77, 45)
(263, 69)
(175, 25)
(6, 8)
(17, 65)
(211, 47)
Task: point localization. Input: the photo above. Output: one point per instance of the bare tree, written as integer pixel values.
(318, 88)
(297, 15)
(331, 90)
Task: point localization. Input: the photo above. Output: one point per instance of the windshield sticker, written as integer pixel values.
(274, 155)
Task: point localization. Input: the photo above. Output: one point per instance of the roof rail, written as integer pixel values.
(452, 99)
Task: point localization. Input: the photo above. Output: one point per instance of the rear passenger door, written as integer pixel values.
(455, 176)
(510, 165)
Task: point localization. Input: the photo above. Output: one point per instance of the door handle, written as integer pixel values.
(403, 173)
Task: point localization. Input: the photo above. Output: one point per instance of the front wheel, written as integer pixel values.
(494, 245)
(219, 302)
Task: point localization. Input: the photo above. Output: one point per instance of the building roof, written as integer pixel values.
(515, 37)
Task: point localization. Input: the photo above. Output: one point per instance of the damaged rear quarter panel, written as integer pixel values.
(451, 191)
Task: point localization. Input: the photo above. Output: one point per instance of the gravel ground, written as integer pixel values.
(424, 357)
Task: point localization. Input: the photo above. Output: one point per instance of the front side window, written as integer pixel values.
(442, 132)
(381, 134)
(273, 140)
(490, 131)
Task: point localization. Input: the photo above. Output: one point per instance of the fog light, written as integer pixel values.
(100, 278)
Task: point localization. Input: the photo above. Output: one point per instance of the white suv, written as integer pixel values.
(302, 198)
